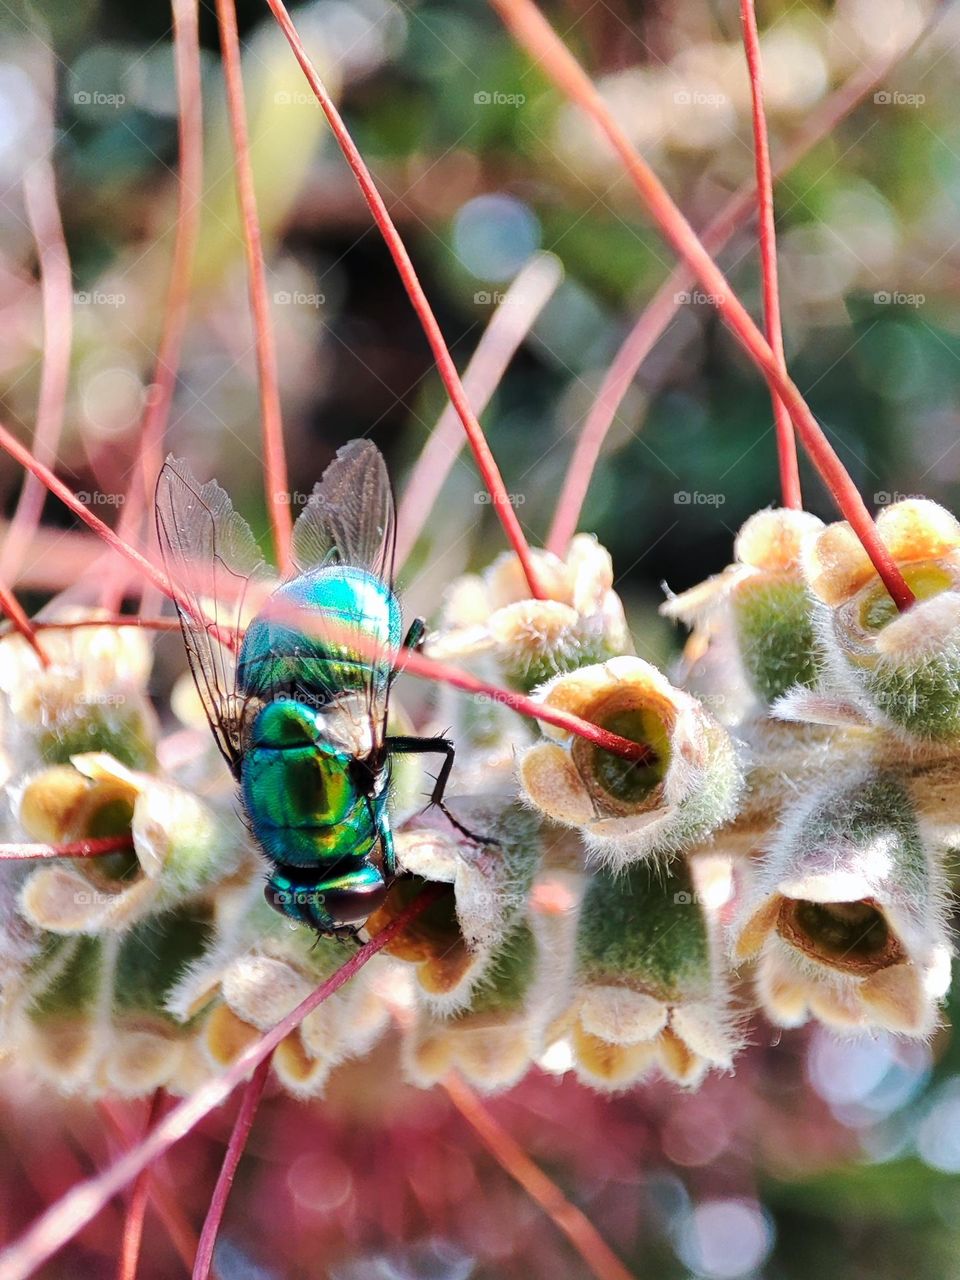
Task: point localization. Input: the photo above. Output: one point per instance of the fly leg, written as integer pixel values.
(416, 635)
(409, 746)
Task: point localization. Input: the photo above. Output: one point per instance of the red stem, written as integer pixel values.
(445, 366)
(167, 1206)
(186, 47)
(575, 1225)
(137, 1208)
(56, 288)
(275, 463)
(95, 847)
(61, 1222)
(786, 444)
(418, 664)
(10, 605)
(252, 1093)
(536, 35)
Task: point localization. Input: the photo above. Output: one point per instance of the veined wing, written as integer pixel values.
(212, 557)
(350, 515)
(350, 520)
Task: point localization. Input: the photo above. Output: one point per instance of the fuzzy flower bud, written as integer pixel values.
(759, 606)
(905, 667)
(847, 914)
(89, 1013)
(649, 990)
(180, 847)
(454, 943)
(581, 621)
(90, 698)
(686, 787)
(259, 969)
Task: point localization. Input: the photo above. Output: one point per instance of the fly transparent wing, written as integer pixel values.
(212, 557)
(350, 520)
(350, 515)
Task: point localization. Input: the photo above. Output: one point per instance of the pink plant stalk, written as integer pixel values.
(665, 303)
(137, 1206)
(250, 1101)
(56, 289)
(786, 444)
(575, 1225)
(274, 458)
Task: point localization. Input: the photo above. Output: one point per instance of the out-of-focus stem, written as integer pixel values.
(137, 1207)
(575, 1225)
(275, 463)
(522, 303)
(43, 214)
(786, 444)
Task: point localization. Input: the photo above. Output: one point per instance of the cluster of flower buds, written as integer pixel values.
(782, 829)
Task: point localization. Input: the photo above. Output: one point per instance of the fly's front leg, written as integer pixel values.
(409, 746)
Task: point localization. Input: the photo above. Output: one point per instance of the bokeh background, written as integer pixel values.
(821, 1157)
